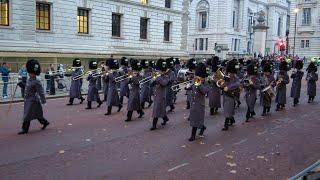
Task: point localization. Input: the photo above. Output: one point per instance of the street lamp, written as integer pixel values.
(296, 10)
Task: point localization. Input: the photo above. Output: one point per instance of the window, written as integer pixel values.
(196, 45)
(168, 3)
(201, 44)
(235, 44)
(116, 25)
(203, 20)
(202, 14)
(83, 21)
(306, 16)
(235, 14)
(4, 12)
(144, 28)
(43, 16)
(305, 44)
(279, 26)
(167, 28)
(302, 43)
(144, 2)
(206, 48)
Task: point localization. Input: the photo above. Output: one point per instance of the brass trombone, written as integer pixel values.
(149, 78)
(94, 73)
(182, 85)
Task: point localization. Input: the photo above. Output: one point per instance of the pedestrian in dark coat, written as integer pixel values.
(214, 93)
(296, 82)
(124, 88)
(230, 89)
(160, 83)
(199, 90)
(145, 95)
(113, 96)
(251, 84)
(93, 94)
(134, 95)
(312, 78)
(32, 102)
(76, 85)
(282, 81)
(191, 65)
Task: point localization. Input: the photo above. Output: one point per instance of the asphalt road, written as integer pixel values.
(85, 144)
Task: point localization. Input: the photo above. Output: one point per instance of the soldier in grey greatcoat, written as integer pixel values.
(93, 94)
(214, 93)
(312, 78)
(199, 89)
(251, 84)
(124, 88)
(296, 82)
(172, 78)
(191, 65)
(160, 84)
(282, 81)
(134, 95)
(76, 82)
(145, 95)
(113, 96)
(105, 81)
(230, 89)
(267, 80)
(32, 102)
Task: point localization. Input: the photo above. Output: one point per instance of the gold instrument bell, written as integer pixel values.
(197, 81)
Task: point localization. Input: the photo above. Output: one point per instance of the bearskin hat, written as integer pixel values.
(191, 64)
(241, 61)
(33, 66)
(152, 63)
(312, 67)
(135, 65)
(108, 61)
(267, 67)
(93, 64)
(201, 70)
(124, 61)
(251, 69)
(161, 65)
(299, 65)
(76, 62)
(170, 62)
(177, 61)
(283, 66)
(231, 67)
(144, 64)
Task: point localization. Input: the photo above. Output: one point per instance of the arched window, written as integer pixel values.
(203, 14)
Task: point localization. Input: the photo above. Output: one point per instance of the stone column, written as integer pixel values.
(260, 34)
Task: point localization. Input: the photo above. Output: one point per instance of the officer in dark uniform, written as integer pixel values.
(76, 84)
(113, 96)
(93, 94)
(199, 89)
(312, 78)
(34, 97)
(281, 82)
(296, 82)
(145, 87)
(134, 87)
(160, 84)
(124, 88)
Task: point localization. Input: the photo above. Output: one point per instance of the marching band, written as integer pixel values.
(158, 83)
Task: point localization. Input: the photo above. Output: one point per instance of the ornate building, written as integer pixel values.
(59, 30)
(225, 28)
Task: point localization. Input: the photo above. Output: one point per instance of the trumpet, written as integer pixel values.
(279, 82)
(94, 73)
(180, 86)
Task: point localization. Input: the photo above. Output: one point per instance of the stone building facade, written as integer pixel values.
(225, 28)
(60, 30)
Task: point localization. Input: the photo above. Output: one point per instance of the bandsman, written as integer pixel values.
(282, 80)
(76, 83)
(296, 77)
(93, 93)
(145, 87)
(214, 93)
(312, 78)
(124, 88)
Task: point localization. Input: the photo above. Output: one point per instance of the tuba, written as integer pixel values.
(219, 78)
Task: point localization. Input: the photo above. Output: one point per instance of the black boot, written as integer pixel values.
(25, 128)
(295, 101)
(264, 111)
(188, 105)
(165, 120)
(226, 124)
(120, 107)
(232, 121)
(216, 110)
(150, 103)
(109, 111)
(154, 124)
(278, 107)
(142, 105)
(268, 109)
(248, 115)
(309, 100)
(70, 102)
(121, 99)
(99, 103)
(89, 105)
(171, 108)
(312, 98)
(203, 128)
(253, 113)
(129, 116)
(193, 134)
(141, 113)
(211, 111)
(81, 100)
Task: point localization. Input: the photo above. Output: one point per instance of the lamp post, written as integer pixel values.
(296, 10)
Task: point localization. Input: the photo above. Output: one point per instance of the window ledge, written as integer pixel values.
(202, 29)
(45, 31)
(82, 34)
(167, 41)
(116, 37)
(6, 27)
(146, 40)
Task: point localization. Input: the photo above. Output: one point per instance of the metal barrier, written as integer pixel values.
(310, 173)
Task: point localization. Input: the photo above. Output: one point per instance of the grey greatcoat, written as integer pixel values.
(228, 98)
(34, 94)
(124, 88)
(169, 91)
(296, 84)
(113, 96)
(198, 102)
(93, 94)
(312, 78)
(188, 91)
(105, 81)
(214, 95)
(134, 95)
(75, 88)
(145, 88)
(281, 97)
(266, 100)
(159, 105)
(99, 83)
(251, 92)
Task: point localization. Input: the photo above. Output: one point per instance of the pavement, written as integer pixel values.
(85, 144)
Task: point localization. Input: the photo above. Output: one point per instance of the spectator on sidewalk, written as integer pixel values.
(5, 72)
(23, 74)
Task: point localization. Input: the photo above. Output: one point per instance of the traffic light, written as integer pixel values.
(281, 45)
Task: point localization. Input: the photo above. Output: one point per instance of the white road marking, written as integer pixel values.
(214, 152)
(240, 142)
(177, 167)
(290, 121)
(263, 132)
